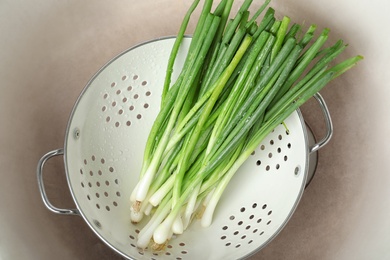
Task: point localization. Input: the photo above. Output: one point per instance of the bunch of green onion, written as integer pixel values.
(241, 79)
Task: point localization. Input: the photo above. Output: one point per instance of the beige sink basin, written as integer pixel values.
(50, 49)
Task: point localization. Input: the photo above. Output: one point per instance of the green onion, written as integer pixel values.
(241, 79)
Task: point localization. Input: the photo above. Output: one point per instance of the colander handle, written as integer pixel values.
(46, 201)
(328, 124)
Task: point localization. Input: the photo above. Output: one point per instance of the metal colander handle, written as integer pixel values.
(41, 186)
(328, 124)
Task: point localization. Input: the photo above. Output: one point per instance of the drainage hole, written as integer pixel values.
(297, 170)
(97, 223)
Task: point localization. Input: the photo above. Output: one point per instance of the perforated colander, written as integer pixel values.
(103, 152)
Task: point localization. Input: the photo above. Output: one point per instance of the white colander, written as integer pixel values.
(103, 152)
